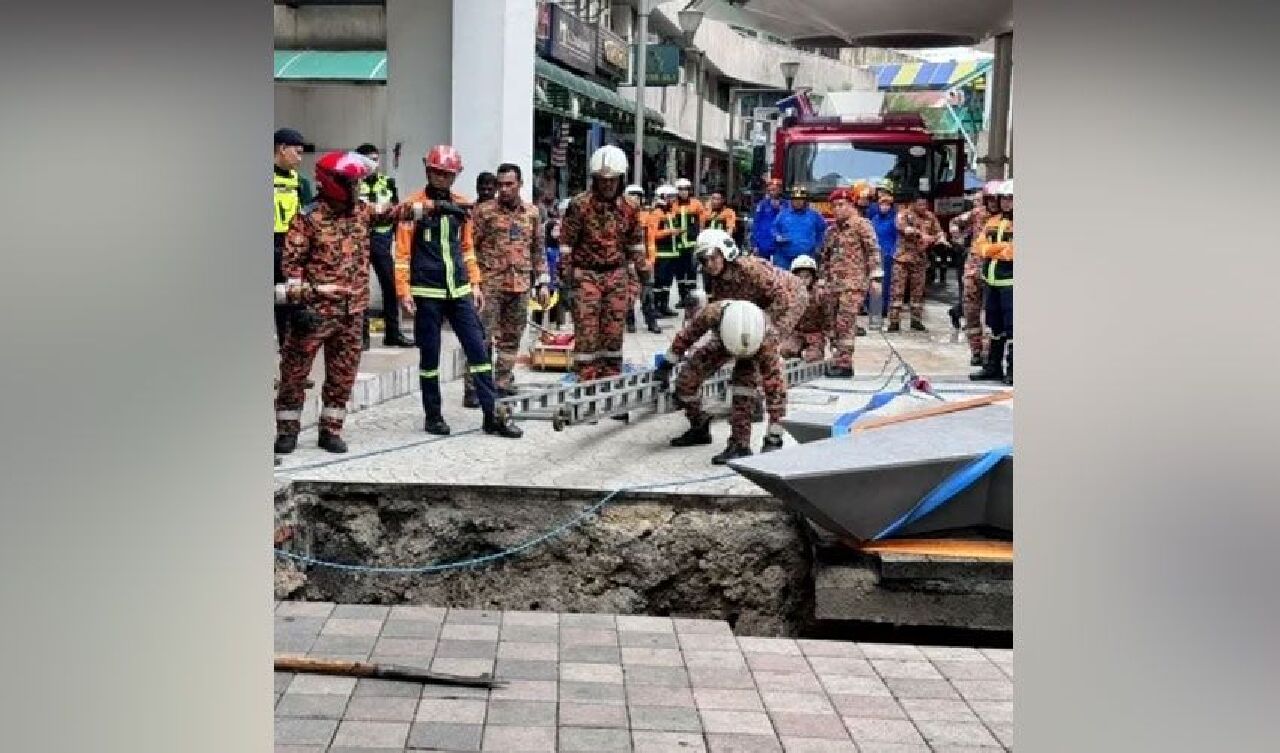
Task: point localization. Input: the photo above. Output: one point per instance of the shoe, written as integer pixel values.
(771, 442)
(840, 372)
(364, 342)
(699, 433)
(286, 443)
(861, 331)
(992, 370)
(918, 326)
(655, 329)
(308, 385)
(1008, 365)
(954, 313)
(469, 399)
(894, 327)
(623, 417)
(976, 359)
(436, 426)
(332, 442)
(502, 427)
(399, 341)
(731, 452)
(631, 328)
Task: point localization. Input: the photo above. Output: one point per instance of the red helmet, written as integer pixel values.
(338, 172)
(841, 194)
(444, 157)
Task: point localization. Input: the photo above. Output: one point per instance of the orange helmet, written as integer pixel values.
(861, 190)
(444, 157)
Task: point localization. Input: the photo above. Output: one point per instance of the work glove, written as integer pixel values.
(448, 207)
(663, 373)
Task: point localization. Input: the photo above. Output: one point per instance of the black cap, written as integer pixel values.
(288, 137)
(366, 149)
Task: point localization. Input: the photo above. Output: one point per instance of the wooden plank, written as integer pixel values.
(998, 551)
(934, 410)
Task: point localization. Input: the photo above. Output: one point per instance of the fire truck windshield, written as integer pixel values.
(823, 166)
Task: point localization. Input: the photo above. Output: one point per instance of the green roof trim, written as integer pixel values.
(371, 66)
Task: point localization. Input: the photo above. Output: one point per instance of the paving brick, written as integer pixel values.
(644, 624)
(282, 680)
(531, 633)
(305, 731)
(777, 663)
(664, 718)
(455, 631)
(351, 626)
(360, 612)
(593, 715)
(890, 651)
(907, 670)
(715, 677)
(938, 710)
(727, 722)
(952, 653)
(519, 669)
(796, 724)
(381, 709)
(659, 695)
(473, 617)
(454, 649)
(873, 747)
(985, 690)
(535, 619)
(805, 703)
(969, 670)
(649, 741)
(296, 644)
(842, 649)
(708, 642)
(719, 659)
(1004, 733)
(727, 699)
(801, 681)
(411, 612)
(590, 621)
(653, 657)
(417, 661)
(526, 690)
(591, 692)
(883, 731)
(469, 667)
(604, 673)
(592, 654)
(632, 639)
(586, 636)
(410, 629)
(868, 706)
(769, 646)
(591, 740)
(904, 688)
(304, 609)
(421, 647)
(702, 627)
(998, 654)
(840, 665)
(372, 734)
(299, 625)
(640, 674)
(322, 684)
(522, 713)
(437, 736)
(342, 645)
(956, 733)
(525, 739)
(743, 744)
(993, 712)
(815, 745)
(311, 706)
(301, 748)
(965, 749)
(453, 711)
(528, 651)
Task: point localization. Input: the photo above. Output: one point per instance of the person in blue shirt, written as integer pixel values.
(762, 219)
(883, 216)
(797, 230)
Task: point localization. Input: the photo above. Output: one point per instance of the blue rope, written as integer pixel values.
(370, 454)
(525, 546)
(947, 490)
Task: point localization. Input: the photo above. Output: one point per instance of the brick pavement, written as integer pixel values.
(600, 682)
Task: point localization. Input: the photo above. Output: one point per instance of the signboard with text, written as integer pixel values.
(572, 41)
(543, 36)
(662, 65)
(613, 54)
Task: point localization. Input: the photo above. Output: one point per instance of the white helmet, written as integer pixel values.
(664, 192)
(1006, 188)
(742, 328)
(562, 205)
(715, 239)
(633, 190)
(608, 162)
(804, 261)
(684, 184)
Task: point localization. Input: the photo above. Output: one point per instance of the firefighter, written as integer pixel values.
(438, 279)
(600, 235)
(635, 196)
(722, 217)
(509, 248)
(486, 187)
(666, 229)
(379, 189)
(809, 340)
(730, 274)
(290, 192)
(692, 217)
(969, 225)
(325, 265)
(918, 230)
(995, 246)
(849, 266)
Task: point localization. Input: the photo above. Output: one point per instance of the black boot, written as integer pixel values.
(436, 425)
(894, 327)
(364, 336)
(332, 442)
(954, 313)
(840, 372)
(502, 427)
(654, 328)
(469, 399)
(771, 442)
(1008, 364)
(992, 370)
(699, 433)
(860, 331)
(398, 341)
(730, 452)
(286, 443)
(976, 359)
(918, 325)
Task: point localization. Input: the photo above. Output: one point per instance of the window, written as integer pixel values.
(945, 157)
(824, 166)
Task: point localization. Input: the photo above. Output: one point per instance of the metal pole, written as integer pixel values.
(733, 148)
(998, 128)
(641, 33)
(697, 133)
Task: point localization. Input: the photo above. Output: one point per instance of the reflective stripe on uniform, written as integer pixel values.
(609, 354)
(584, 357)
(740, 391)
(338, 413)
(287, 199)
(482, 368)
(418, 291)
(446, 254)
(429, 373)
(288, 415)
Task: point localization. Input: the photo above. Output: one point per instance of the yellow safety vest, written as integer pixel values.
(378, 193)
(287, 198)
(1001, 233)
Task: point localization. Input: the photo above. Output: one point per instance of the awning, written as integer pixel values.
(928, 75)
(371, 66)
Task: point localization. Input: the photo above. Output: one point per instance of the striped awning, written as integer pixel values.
(928, 75)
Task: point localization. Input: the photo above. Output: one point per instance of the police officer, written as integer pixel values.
(437, 278)
(291, 192)
(380, 189)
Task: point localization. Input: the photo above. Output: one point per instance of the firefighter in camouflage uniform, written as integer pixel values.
(970, 224)
(809, 340)
(918, 229)
(599, 237)
(848, 265)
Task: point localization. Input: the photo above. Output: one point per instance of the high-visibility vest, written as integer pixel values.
(287, 198)
(998, 273)
(671, 246)
(378, 193)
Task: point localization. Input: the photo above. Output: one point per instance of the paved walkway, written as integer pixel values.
(600, 682)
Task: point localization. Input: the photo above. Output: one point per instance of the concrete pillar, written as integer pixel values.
(998, 133)
(419, 69)
(493, 76)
